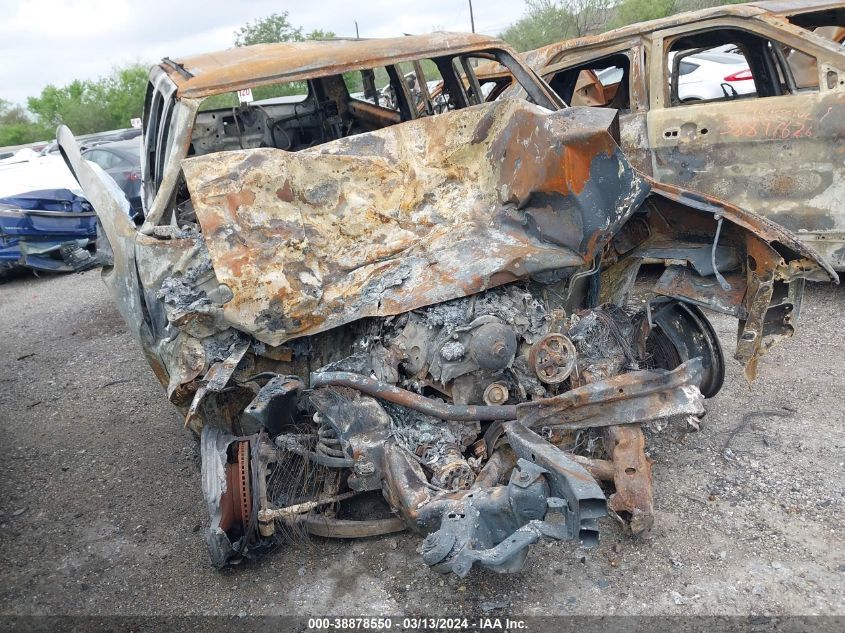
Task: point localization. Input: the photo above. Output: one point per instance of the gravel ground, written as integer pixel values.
(101, 511)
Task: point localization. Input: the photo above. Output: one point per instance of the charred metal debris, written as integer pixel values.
(427, 324)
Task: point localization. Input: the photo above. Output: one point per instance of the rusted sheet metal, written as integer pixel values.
(263, 64)
(681, 282)
(774, 259)
(762, 227)
(408, 216)
(632, 476)
(493, 70)
(804, 262)
(601, 469)
(184, 111)
(790, 166)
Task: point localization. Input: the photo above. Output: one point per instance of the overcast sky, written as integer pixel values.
(56, 41)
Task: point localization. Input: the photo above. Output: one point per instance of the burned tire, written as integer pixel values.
(681, 332)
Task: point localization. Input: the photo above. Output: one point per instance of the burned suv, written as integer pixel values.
(380, 318)
(744, 102)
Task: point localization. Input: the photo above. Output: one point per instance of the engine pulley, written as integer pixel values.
(553, 358)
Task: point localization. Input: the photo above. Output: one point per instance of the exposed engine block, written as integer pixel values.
(429, 408)
(464, 347)
(503, 346)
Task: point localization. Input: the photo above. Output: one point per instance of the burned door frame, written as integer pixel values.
(632, 123)
(176, 132)
(807, 201)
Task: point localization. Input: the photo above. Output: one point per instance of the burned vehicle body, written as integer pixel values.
(362, 304)
(776, 149)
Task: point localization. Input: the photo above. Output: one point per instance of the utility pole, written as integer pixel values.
(357, 37)
(471, 16)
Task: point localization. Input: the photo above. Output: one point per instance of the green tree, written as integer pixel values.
(548, 21)
(695, 5)
(544, 22)
(123, 91)
(12, 114)
(93, 106)
(320, 34)
(274, 28)
(17, 127)
(587, 16)
(632, 11)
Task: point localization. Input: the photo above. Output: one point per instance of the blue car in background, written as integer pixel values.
(48, 230)
(46, 224)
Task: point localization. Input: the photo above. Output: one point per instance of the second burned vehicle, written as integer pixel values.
(379, 318)
(742, 102)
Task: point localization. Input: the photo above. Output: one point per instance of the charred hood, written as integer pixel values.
(408, 216)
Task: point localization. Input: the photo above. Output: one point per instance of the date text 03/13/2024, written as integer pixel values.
(414, 624)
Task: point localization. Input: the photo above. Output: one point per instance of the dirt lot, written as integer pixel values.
(101, 512)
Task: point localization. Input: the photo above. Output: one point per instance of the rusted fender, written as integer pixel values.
(798, 259)
(112, 210)
(408, 216)
(766, 294)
